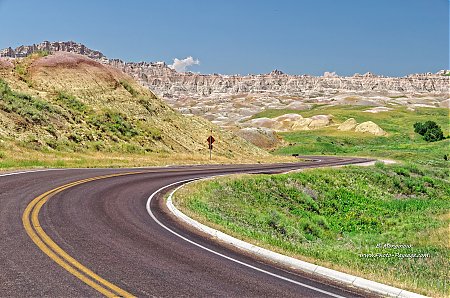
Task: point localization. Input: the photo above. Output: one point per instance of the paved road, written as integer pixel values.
(103, 225)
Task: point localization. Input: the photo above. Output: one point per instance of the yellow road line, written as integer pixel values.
(33, 228)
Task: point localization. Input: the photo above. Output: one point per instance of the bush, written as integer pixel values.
(33, 110)
(434, 134)
(41, 53)
(4, 89)
(430, 131)
(148, 105)
(128, 87)
(71, 102)
(115, 123)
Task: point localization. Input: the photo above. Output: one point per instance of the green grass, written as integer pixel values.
(72, 103)
(129, 88)
(31, 109)
(114, 123)
(398, 96)
(399, 120)
(397, 147)
(149, 106)
(401, 143)
(331, 216)
(334, 216)
(89, 130)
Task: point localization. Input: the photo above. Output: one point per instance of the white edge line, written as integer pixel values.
(217, 253)
(26, 172)
(273, 256)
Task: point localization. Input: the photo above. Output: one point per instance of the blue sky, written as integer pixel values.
(388, 37)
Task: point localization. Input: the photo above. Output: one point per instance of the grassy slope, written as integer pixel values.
(67, 110)
(331, 216)
(401, 143)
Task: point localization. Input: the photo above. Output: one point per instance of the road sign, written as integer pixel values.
(210, 141)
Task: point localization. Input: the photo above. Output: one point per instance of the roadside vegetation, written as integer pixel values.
(14, 156)
(341, 218)
(333, 217)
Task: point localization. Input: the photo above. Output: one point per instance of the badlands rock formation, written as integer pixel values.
(291, 122)
(370, 127)
(67, 46)
(295, 122)
(230, 100)
(261, 137)
(365, 127)
(348, 125)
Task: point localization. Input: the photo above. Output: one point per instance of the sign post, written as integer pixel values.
(210, 141)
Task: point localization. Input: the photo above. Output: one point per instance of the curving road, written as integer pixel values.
(95, 238)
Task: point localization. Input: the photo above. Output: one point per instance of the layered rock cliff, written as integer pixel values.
(66, 46)
(231, 99)
(164, 80)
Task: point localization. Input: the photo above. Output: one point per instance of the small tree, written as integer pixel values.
(433, 134)
(419, 128)
(430, 131)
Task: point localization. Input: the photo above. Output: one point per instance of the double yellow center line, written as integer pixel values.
(31, 224)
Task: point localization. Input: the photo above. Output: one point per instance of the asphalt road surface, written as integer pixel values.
(95, 238)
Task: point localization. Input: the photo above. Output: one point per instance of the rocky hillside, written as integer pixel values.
(46, 46)
(230, 100)
(159, 77)
(69, 102)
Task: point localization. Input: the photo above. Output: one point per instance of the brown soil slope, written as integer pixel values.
(69, 102)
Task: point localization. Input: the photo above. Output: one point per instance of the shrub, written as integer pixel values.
(33, 110)
(430, 131)
(4, 89)
(115, 123)
(41, 53)
(433, 134)
(128, 87)
(71, 102)
(148, 105)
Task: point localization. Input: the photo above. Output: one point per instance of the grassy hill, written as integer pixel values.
(400, 143)
(65, 109)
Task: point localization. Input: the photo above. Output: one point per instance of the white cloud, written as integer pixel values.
(328, 74)
(183, 64)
